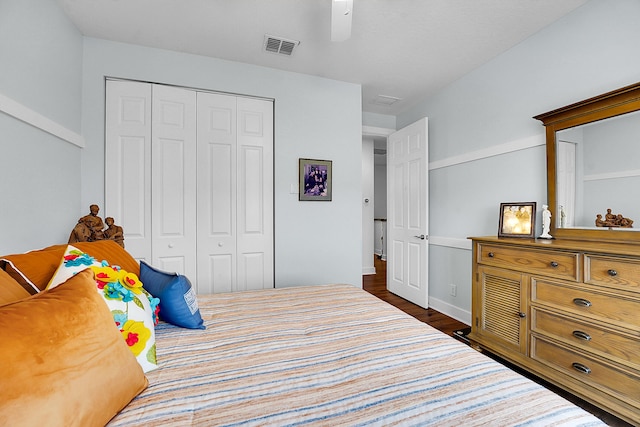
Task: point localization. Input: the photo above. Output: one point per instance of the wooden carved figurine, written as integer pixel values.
(114, 232)
(613, 220)
(91, 228)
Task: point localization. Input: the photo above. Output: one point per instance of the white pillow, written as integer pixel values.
(132, 307)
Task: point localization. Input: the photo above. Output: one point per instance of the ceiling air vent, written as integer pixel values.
(385, 100)
(279, 45)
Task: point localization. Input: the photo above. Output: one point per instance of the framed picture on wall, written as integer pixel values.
(517, 219)
(315, 180)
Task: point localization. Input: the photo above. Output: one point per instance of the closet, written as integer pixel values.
(189, 176)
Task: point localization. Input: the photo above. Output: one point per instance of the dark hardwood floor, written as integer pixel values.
(376, 284)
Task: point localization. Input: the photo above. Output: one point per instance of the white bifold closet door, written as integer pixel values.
(173, 179)
(235, 193)
(191, 175)
(127, 194)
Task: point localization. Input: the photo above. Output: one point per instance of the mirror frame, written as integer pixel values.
(611, 104)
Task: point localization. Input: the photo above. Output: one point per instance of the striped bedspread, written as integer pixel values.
(330, 355)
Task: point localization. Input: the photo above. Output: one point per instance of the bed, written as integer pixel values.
(314, 355)
(330, 355)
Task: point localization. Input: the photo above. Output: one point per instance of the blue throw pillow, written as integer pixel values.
(178, 302)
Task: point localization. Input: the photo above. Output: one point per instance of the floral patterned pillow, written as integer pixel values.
(134, 310)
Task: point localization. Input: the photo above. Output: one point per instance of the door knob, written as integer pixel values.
(421, 237)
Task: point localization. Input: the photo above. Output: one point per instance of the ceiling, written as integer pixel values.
(406, 49)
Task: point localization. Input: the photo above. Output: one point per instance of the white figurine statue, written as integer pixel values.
(546, 223)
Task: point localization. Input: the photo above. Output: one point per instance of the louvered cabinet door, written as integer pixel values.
(501, 312)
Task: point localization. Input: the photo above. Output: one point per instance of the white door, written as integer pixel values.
(173, 174)
(566, 188)
(407, 213)
(128, 163)
(235, 196)
(216, 193)
(255, 194)
(190, 179)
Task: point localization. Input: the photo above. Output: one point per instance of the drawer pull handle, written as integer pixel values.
(582, 302)
(491, 254)
(612, 273)
(553, 264)
(581, 368)
(582, 335)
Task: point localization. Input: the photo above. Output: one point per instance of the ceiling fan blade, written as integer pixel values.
(341, 13)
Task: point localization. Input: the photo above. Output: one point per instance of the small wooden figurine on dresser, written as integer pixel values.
(91, 228)
(613, 220)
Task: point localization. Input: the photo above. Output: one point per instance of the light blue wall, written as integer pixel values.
(379, 120)
(315, 242)
(380, 186)
(41, 70)
(610, 146)
(48, 183)
(591, 51)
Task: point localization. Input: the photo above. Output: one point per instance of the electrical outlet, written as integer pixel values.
(453, 290)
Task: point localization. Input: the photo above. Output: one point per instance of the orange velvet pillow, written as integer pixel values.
(10, 290)
(63, 361)
(34, 269)
(109, 250)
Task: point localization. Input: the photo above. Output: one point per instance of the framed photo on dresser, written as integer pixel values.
(517, 219)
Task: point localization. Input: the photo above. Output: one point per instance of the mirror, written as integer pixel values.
(592, 166)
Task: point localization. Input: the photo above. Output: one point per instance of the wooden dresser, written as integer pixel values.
(568, 311)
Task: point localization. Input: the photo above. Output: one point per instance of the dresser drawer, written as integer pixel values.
(609, 308)
(615, 273)
(592, 338)
(548, 263)
(624, 384)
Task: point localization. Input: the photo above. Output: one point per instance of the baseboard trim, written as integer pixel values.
(450, 310)
(381, 256)
(368, 270)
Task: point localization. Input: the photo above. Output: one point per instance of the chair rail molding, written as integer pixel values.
(35, 119)
(450, 242)
(496, 150)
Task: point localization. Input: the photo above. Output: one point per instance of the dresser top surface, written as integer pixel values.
(566, 245)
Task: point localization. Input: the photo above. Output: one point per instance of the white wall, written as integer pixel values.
(590, 51)
(315, 242)
(380, 207)
(380, 187)
(40, 73)
(367, 206)
(610, 146)
(379, 120)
